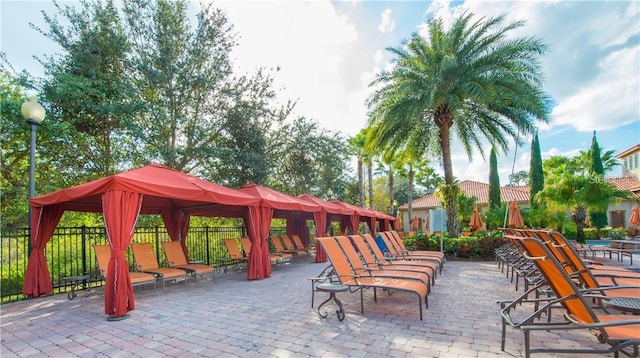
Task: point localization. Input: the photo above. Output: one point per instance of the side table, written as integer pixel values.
(627, 304)
(332, 288)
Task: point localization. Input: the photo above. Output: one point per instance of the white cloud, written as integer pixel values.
(387, 24)
(311, 48)
(611, 99)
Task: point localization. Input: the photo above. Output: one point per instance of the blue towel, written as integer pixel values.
(381, 244)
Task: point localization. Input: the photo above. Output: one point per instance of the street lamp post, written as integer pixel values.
(33, 112)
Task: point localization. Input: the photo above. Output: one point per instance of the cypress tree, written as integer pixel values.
(596, 172)
(536, 175)
(494, 181)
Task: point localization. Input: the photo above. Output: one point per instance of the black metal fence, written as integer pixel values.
(70, 252)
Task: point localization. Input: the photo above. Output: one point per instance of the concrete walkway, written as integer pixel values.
(232, 317)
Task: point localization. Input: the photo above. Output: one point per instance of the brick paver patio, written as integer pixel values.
(273, 317)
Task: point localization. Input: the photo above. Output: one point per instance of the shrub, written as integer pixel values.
(605, 232)
(617, 234)
(570, 231)
(632, 231)
(590, 233)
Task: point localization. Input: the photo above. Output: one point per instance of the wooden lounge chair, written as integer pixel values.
(103, 254)
(348, 277)
(370, 259)
(245, 242)
(620, 332)
(177, 259)
(290, 247)
(146, 261)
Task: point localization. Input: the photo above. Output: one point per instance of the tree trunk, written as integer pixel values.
(360, 182)
(410, 193)
(579, 215)
(391, 192)
(370, 174)
(453, 226)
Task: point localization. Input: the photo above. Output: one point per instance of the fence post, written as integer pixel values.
(207, 245)
(83, 235)
(157, 241)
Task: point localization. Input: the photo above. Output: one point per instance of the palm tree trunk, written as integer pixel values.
(391, 192)
(410, 193)
(370, 173)
(579, 215)
(360, 182)
(453, 226)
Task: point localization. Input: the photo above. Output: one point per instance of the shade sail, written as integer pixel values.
(153, 189)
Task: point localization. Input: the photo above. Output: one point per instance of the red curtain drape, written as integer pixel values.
(37, 280)
(297, 224)
(320, 219)
(177, 224)
(372, 225)
(385, 224)
(258, 222)
(120, 210)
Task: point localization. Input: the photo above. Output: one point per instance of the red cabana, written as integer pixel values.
(330, 212)
(153, 189)
(273, 204)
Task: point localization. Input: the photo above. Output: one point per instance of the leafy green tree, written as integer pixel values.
(520, 177)
(88, 85)
(183, 78)
(306, 159)
(568, 191)
(474, 80)
(494, 180)
(596, 172)
(243, 148)
(536, 173)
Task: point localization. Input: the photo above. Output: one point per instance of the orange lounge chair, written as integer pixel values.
(245, 242)
(279, 250)
(348, 277)
(146, 261)
(396, 239)
(370, 259)
(290, 247)
(620, 332)
(376, 271)
(300, 246)
(398, 254)
(177, 259)
(103, 254)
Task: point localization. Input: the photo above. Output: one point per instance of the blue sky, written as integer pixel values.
(329, 51)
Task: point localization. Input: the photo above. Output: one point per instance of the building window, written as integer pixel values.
(636, 158)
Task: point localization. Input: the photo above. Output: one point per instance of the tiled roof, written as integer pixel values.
(626, 183)
(480, 191)
(629, 151)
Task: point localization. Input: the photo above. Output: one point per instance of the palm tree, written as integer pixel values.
(579, 194)
(474, 81)
(357, 144)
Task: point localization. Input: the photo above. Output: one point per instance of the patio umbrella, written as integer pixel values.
(515, 219)
(476, 221)
(635, 215)
(414, 223)
(397, 224)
